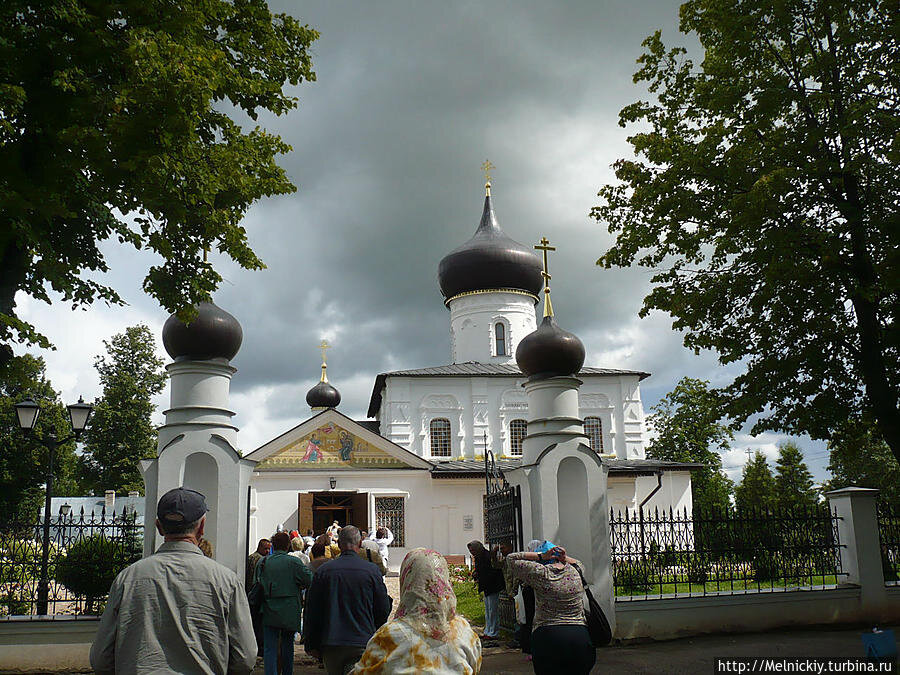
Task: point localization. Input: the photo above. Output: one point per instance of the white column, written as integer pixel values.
(860, 545)
(553, 415)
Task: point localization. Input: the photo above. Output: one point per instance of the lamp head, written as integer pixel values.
(79, 414)
(28, 412)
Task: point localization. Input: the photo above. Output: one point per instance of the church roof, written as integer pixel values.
(468, 468)
(475, 369)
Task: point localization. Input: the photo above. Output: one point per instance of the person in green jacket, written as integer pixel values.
(282, 577)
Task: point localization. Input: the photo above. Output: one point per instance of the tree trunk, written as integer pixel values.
(13, 260)
(881, 397)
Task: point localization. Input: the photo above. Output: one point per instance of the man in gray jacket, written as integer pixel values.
(176, 611)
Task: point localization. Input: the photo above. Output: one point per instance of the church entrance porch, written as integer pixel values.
(318, 510)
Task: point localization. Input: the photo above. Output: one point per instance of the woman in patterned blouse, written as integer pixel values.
(560, 642)
(426, 634)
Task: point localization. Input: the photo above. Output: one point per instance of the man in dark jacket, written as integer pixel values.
(345, 605)
(490, 582)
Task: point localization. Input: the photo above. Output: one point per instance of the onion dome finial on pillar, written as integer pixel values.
(549, 351)
(489, 261)
(213, 334)
(324, 394)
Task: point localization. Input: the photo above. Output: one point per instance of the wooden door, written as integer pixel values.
(304, 512)
(360, 510)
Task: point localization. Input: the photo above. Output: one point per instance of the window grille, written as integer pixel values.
(517, 431)
(389, 513)
(440, 437)
(500, 339)
(593, 429)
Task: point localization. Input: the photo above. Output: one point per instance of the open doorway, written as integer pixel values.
(318, 510)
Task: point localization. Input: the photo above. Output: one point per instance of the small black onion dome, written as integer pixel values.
(213, 334)
(323, 395)
(490, 259)
(549, 351)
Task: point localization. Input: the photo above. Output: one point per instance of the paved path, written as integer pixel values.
(688, 655)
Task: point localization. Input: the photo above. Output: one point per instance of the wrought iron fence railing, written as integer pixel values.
(889, 537)
(85, 552)
(665, 553)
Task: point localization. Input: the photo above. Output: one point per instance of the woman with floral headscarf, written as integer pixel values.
(426, 634)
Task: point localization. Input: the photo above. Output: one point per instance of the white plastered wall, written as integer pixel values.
(435, 510)
(472, 320)
(484, 406)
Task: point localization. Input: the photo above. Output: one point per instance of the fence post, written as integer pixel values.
(860, 546)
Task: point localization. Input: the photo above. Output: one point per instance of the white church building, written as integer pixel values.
(417, 465)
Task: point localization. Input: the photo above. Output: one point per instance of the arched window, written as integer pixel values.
(500, 339)
(440, 437)
(593, 429)
(517, 431)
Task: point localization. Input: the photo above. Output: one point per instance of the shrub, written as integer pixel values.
(697, 572)
(20, 559)
(460, 574)
(765, 567)
(889, 566)
(633, 577)
(14, 602)
(91, 565)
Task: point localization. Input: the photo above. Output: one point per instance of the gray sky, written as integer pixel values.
(411, 98)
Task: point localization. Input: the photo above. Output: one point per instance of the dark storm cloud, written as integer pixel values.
(410, 99)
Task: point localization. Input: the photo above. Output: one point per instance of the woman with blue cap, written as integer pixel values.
(560, 642)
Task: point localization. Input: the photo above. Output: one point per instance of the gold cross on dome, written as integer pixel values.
(487, 167)
(324, 347)
(546, 248)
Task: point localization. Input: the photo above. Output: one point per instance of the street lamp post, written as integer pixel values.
(28, 412)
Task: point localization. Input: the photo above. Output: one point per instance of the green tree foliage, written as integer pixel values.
(756, 491)
(793, 480)
(764, 193)
(121, 432)
(689, 428)
(23, 461)
(114, 124)
(860, 458)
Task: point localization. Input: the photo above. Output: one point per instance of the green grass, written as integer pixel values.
(724, 585)
(469, 602)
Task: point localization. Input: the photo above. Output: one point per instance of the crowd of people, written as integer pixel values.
(178, 611)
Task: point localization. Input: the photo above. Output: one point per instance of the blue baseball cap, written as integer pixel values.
(546, 546)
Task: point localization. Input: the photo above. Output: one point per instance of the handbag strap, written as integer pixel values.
(584, 583)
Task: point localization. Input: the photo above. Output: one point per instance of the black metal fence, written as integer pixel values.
(84, 554)
(663, 553)
(889, 536)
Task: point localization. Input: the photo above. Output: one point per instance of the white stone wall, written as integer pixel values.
(435, 509)
(484, 406)
(473, 318)
(628, 491)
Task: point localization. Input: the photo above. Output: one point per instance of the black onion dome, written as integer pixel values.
(549, 351)
(213, 334)
(489, 260)
(323, 395)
